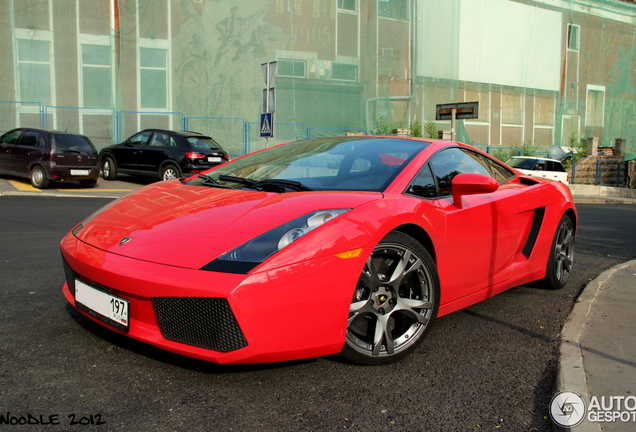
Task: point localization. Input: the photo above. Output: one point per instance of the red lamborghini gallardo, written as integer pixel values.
(350, 245)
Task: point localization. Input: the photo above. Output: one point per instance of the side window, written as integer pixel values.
(453, 161)
(423, 184)
(160, 140)
(540, 166)
(11, 137)
(558, 167)
(30, 139)
(173, 142)
(140, 138)
(499, 172)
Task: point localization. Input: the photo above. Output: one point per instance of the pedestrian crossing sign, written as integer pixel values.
(267, 126)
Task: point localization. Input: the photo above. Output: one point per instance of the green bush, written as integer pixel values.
(416, 128)
(431, 129)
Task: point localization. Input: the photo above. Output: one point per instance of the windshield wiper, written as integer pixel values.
(267, 185)
(290, 184)
(209, 181)
(240, 180)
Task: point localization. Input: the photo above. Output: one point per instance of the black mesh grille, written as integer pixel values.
(202, 322)
(534, 231)
(70, 276)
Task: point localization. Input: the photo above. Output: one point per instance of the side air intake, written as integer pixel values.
(537, 220)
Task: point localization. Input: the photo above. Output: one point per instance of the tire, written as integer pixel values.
(38, 177)
(389, 316)
(169, 172)
(88, 183)
(109, 169)
(561, 255)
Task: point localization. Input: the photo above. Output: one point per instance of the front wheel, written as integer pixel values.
(561, 255)
(38, 177)
(394, 304)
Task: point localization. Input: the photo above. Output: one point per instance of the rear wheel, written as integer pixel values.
(169, 172)
(38, 177)
(394, 304)
(561, 255)
(109, 170)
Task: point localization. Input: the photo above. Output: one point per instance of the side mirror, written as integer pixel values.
(472, 184)
(127, 143)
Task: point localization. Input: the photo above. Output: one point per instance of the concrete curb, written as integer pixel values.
(570, 373)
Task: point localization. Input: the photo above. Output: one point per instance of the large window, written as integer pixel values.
(573, 37)
(153, 77)
(393, 9)
(96, 75)
(34, 69)
(595, 106)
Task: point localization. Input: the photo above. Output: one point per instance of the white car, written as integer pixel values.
(540, 167)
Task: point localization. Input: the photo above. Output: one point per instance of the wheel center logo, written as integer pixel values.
(381, 299)
(567, 409)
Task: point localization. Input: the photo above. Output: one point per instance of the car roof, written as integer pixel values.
(182, 133)
(48, 131)
(535, 157)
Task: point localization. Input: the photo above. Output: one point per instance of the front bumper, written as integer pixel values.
(289, 313)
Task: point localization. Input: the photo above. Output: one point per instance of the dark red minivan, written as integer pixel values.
(44, 156)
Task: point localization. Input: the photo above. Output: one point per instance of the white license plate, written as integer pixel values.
(80, 172)
(106, 305)
(214, 159)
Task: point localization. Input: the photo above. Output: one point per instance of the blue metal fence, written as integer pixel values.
(283, 132)
(15, 114)
(130, 122)
(96, 123)
(229, 132)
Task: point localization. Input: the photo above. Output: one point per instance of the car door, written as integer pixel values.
(7, 147)
(31, 148)
(129, 155)
(157, 152)
(482, 236)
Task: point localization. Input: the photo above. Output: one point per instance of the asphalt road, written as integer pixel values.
(487, 367)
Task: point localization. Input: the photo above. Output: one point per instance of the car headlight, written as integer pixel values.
(245, 257)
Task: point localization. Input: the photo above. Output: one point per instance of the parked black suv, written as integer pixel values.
(44, 156)
(162, 154)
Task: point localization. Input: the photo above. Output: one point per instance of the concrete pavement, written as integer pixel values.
(597, 358)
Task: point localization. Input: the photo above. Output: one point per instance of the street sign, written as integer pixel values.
(463, 110)
(267, 125)
(269, 106)
(268, 71)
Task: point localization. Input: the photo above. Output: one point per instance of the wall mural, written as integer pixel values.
(620, 109)
(217, 55)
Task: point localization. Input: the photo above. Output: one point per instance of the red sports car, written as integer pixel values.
(350, 245)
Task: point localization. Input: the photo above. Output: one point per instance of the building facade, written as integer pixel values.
(551, 72)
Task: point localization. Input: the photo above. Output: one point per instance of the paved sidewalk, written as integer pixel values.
(598, 350)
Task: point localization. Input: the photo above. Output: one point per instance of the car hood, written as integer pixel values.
(188, 226)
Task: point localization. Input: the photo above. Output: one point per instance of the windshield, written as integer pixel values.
(71, 143)
(203, 143)
(522, 163)
(346, 164)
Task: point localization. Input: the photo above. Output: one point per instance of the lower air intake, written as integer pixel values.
(202, 322)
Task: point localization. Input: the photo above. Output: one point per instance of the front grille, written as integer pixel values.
(70, 276)
(202, 322)
(537, 220)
